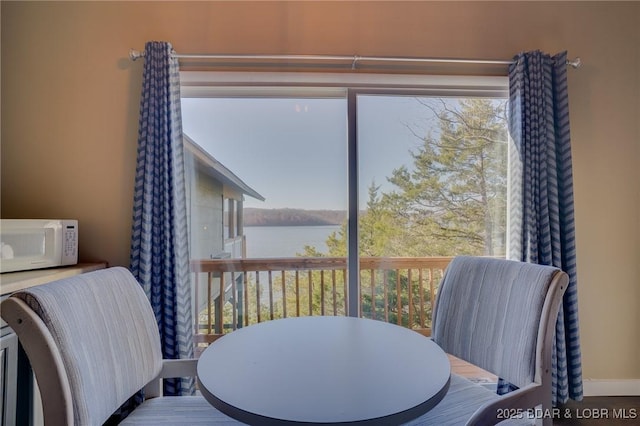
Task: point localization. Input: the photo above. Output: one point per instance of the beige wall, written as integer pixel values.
(70, 103)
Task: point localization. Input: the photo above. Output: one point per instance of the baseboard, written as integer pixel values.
(594, 387)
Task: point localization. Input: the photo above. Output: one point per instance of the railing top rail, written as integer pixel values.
(315, 263)
(404, 262)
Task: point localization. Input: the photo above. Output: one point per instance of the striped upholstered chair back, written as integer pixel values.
(104, 341)
(93, 342)
(488, 313)
(499, 315)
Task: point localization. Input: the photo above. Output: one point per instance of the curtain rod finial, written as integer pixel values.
(575, 63)
(134, 55)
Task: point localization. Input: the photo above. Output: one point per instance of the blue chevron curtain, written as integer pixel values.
(159, 242)
(541, 196)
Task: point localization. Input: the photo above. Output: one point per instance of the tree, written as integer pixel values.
(453, 201)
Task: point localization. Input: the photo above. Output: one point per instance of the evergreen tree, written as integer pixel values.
(453, 201)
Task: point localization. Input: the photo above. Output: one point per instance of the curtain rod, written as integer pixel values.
(354, 59)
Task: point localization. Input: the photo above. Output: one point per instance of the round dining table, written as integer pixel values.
(323, 370)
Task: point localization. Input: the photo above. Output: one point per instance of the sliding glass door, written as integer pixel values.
(338, 200)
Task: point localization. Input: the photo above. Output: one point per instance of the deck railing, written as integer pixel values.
(233, 293)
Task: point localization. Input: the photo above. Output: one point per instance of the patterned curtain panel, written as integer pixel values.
(541, 196)
(159, 242)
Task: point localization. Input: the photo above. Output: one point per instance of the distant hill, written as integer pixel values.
(292, 217)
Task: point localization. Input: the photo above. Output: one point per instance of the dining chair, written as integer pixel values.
(93, 342)
(499, 315)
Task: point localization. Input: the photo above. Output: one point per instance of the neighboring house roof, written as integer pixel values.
(216, 169)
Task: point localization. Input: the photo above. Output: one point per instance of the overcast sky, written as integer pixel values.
(294, 151)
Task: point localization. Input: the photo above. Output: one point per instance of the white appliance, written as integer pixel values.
(37, 243)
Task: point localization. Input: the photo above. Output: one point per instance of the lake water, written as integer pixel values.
(285, 241)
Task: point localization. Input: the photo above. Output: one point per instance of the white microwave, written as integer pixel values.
(37, 243)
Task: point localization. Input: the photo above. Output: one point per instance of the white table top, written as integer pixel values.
(324, 370)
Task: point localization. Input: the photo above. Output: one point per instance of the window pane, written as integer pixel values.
(432, 183)
(266, 179)
(290, 151)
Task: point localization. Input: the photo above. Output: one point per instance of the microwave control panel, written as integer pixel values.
(70, 242)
